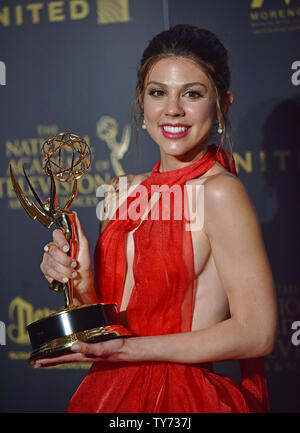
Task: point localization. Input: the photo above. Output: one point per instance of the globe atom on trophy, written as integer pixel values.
(66, 157)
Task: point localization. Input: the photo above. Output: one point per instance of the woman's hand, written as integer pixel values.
(110, 350)
(58, 265)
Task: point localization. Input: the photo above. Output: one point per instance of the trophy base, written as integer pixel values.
(54, 335)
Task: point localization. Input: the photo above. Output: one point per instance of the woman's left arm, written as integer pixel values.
(232, 228)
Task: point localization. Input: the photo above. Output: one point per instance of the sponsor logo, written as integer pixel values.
(296, 75)
(2, 334)
(113, 11)
(105, 11)
(26, 151)
(2, 73)
(296, 335)
(21, 313)
(259, 3)
(107, 131)
(286, 353)
(268, 16)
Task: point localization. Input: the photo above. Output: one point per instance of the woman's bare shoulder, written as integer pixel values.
(225, 188)
(219, 184)
(227, 204)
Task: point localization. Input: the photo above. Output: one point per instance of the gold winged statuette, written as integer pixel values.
(42, 216)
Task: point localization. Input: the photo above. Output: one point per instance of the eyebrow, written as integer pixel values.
(195, 83)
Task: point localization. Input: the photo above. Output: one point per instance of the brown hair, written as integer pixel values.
(199, 45)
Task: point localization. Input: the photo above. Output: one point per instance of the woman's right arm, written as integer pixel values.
(58, 265)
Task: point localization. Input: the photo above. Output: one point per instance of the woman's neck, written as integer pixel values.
(170, 162)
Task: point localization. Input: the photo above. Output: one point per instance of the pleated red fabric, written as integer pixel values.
(161, 302)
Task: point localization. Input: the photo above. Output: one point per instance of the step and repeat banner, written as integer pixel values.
(71, 65)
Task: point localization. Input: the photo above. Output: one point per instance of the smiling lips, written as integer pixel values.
(177, 130)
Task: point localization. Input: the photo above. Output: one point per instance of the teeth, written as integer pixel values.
(174, 129)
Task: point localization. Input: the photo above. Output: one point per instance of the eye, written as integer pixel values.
(193, 94)
(156, 93)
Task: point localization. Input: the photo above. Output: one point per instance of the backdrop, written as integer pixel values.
(71, 65)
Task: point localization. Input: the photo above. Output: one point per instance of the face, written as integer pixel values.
(179, 107)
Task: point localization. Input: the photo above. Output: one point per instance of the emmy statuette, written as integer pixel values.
(66, 157)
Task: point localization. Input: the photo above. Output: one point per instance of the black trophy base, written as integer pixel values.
(54, 335)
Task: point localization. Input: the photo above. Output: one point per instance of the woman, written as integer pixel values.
(192, 294)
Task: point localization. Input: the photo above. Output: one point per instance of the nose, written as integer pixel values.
(174, 107)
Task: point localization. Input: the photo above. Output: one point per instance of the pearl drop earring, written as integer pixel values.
(220, 129)
(144, 125)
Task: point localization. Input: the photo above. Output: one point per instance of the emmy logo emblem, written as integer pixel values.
(66, 157)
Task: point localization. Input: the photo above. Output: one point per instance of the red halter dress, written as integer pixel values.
(161, 302)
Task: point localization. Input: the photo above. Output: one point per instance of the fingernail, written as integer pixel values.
(74, 264)
(66, 248)
(74, 274)
(75, 348)
(65, 280)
